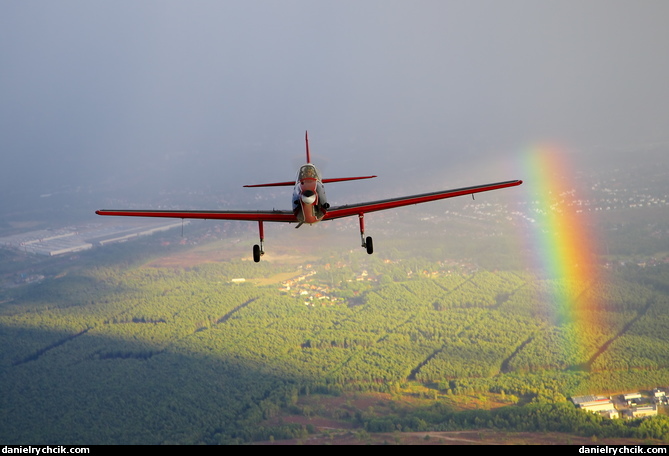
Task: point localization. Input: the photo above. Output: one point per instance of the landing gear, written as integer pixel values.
(366, 243)
(258, 250)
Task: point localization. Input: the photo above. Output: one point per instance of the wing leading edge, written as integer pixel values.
(380, 205)
(252, 216)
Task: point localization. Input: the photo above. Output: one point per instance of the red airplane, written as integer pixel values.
(310, 204)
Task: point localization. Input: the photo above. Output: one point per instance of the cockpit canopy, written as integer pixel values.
(308, 171)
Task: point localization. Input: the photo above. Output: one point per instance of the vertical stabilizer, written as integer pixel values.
(306, 140)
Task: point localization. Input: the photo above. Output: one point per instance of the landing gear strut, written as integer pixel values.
(366, 242)
(258, 250)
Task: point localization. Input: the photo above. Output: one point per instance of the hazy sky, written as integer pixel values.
(187, 92)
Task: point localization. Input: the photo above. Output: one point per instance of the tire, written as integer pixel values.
(256, 253)
(369, 245)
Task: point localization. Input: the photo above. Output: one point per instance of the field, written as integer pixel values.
(153, 342)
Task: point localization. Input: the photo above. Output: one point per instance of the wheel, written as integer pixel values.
(256, 253)
(369, 245)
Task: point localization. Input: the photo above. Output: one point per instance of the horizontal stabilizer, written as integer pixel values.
(325, 181)
(339, 179)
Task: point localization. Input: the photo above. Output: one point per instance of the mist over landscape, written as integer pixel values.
(472, 313)
(152, 96)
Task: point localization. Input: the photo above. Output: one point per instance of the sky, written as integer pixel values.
(152, 95)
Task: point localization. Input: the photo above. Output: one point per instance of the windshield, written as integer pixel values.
(308, 172)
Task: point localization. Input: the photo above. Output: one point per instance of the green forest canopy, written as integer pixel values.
(128, 353)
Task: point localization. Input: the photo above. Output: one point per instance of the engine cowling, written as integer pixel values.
(308, 197)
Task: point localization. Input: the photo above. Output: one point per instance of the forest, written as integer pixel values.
(114, 348)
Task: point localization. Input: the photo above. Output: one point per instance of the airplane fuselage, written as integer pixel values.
(309, 200)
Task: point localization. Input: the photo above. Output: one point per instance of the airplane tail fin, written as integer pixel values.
(325, 181)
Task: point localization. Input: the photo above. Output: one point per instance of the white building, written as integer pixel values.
(597, 404)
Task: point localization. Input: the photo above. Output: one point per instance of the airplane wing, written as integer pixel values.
(257, 216)
(332, 212)
(380, 205)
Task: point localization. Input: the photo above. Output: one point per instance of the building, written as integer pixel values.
(641, 412)
(52, 242)
(631, 398)
(596, 404)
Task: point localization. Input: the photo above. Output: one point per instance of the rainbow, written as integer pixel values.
(562, 228)
(562, 248)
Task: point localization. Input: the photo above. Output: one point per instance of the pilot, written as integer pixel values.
(308, 171)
